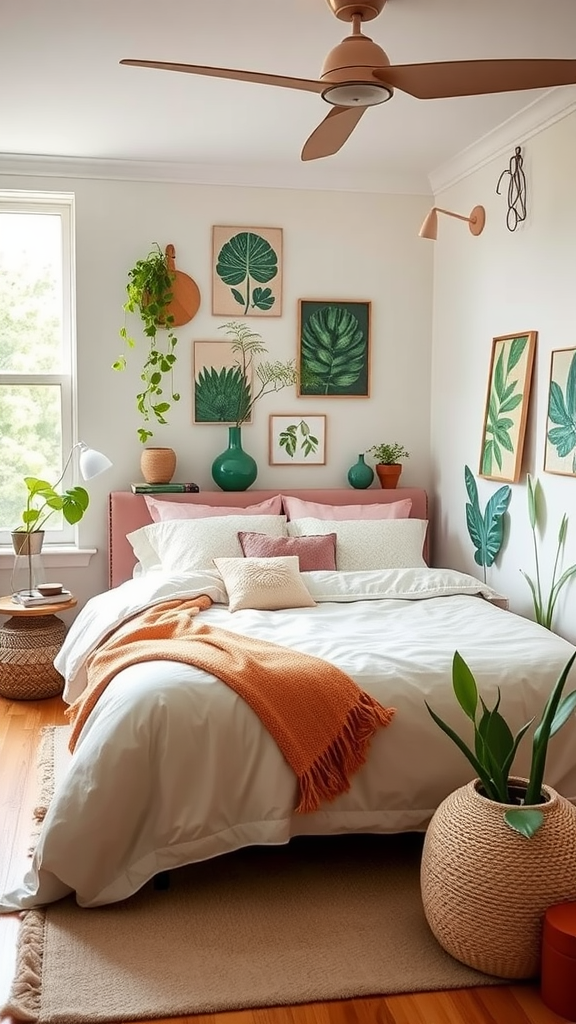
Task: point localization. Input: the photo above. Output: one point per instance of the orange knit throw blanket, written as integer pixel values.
(319, 717)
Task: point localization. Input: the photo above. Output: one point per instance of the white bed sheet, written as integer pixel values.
(173, 767)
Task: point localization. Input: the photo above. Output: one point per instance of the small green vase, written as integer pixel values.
(360, 475)
(234, 469)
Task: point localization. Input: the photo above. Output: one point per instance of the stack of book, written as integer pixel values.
(144, 488)
(32, 598)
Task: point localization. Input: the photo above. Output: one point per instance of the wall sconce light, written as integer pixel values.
(476, 221)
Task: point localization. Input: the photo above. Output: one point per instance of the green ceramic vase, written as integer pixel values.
(360, 475)
(234, 469)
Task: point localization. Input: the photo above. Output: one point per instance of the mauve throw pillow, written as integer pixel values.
(314, 553)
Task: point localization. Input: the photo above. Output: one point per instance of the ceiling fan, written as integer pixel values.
(357, 74)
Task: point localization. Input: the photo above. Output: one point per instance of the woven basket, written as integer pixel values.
(485, 888)
(27, 650)
(158, 465)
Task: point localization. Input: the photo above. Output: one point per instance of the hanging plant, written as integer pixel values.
(149, 289)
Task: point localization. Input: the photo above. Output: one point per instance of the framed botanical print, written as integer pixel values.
(221, 391)
(297, 440)
(506, 409)
(560, 450)
(246, 271)
(334, 348)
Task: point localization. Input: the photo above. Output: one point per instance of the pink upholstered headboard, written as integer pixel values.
(128, 512)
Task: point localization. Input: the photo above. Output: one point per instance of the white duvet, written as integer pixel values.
(173, 767)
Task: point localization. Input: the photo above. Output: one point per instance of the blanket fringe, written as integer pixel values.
(24, 1002)
(330, 774)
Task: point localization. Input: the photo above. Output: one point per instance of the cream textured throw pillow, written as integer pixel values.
(185, 545)
(264, 583)
(370, 544)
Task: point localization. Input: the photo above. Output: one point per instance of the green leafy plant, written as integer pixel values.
(545, 605)
(333, 349)
(243, 258)
(503, 399)
(387, 454)
(43, 501)
(288, 439)
(495, 747)
(486, 530)
(228, 395)
(562, 411)
(149, 291)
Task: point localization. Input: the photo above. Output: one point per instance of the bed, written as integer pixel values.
(172, 766)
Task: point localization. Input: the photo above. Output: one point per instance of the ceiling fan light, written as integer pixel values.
(357, 94)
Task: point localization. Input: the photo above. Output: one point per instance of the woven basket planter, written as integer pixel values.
(485, 888)
(158, 465)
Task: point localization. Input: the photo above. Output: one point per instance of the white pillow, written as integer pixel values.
(184, 545)
(264, 583)
(363, 544)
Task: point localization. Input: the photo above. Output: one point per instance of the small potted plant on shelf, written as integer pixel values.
(150, 292)
(386, 458)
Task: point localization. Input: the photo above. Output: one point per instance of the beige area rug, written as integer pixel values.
(318, 919)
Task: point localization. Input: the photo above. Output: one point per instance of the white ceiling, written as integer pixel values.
(64, 94)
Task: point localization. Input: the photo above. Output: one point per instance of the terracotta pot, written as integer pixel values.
(388, 474)
(486, 888)
(158, 465)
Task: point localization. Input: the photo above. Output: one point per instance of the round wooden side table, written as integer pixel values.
(29, 642)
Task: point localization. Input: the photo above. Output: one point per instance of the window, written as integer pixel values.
(36, 349)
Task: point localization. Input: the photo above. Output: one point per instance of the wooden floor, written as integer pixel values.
(20, 723)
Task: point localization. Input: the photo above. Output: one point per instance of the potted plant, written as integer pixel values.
(388, 467)
(230, 395)
(150, 292)
(42, 501)
(500, 850)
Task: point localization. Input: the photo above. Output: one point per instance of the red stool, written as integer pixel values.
(558, 980)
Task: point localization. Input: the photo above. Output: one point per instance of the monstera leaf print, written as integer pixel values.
(244, 258)
(333, 351)
(221, 396)
(562, 411)
(504, 399)
(486, 530)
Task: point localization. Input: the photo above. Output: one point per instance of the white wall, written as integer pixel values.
(499, 283)
(336, 245)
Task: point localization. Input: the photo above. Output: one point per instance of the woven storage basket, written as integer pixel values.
(158, 465)
(27, 649)
(485, 888)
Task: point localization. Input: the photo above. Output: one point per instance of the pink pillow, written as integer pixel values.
(314, 553)
(162, 510)
(297, 508)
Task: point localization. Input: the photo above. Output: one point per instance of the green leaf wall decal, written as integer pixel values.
(486, 529)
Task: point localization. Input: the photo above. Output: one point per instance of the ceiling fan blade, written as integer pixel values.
(309, 85)
(477, 77)
(332, 132)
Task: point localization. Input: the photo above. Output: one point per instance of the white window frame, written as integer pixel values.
(59, 204)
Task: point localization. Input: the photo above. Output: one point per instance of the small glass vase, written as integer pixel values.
(234, 469)
(360, 475)
(28, 568)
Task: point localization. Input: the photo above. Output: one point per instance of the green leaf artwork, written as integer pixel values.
(562, 413)
(486, 529)
(334, 341)
(221, 396)
(505, 396)
(298, 437)
(244, 259)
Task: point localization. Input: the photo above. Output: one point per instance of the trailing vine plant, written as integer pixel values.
(149, 290)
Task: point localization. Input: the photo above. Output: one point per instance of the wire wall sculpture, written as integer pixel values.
(516, 212)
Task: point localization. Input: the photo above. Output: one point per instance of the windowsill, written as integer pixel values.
(57, 555)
